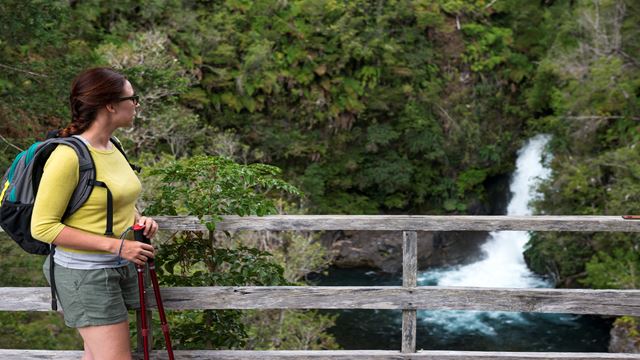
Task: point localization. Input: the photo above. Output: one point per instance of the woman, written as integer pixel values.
(95, 277)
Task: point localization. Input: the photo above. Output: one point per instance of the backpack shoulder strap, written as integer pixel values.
(87, 172)
(85, 161)
(87, 180)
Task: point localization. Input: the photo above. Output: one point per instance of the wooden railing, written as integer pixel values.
(409, 297)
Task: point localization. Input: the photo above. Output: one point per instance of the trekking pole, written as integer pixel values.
(143, 312)
(139, 236)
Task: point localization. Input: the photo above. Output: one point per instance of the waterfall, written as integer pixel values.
(503, 264)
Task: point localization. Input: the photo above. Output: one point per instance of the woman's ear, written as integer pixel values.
(110, 108)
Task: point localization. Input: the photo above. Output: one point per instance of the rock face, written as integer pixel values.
(624, 336)
(382, 250)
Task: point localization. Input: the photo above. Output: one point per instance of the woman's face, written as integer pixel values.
(125, 109)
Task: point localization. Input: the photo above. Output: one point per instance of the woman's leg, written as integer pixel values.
(107, 342)
(87, 353)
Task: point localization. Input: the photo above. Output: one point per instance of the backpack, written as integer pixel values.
(19, 186)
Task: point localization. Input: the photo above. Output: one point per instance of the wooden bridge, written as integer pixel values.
(409, 297)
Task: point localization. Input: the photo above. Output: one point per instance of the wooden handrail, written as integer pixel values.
(408, 297)
(574, 301)
(407, 223)
(329, 355)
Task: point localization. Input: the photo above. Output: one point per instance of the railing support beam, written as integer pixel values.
(409, 280)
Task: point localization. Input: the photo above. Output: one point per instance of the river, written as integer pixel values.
(502, 265)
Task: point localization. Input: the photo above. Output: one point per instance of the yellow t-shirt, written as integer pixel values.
(59, 180)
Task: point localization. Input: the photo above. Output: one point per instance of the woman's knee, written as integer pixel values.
(107, 342)
(87, 353)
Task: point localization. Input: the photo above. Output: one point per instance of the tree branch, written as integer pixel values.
(490, 4)
(10, 144)
(23, 71)
(630, 58)
(593, 117)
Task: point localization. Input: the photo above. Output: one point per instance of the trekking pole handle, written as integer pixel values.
(138, 234)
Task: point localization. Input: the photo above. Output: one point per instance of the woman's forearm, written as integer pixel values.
(82, 240)
(135, 251)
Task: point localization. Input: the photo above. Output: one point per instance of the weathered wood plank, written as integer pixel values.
(40, 354)
(575, 301)
(409, 329)
(409, 259)
(407, 222)
(409, 280)
(326, 355)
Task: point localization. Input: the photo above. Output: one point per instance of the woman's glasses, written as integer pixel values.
(134, 98)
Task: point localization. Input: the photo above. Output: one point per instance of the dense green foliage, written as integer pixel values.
(398, 106)
(201, 186)
(367, 106)
(586, 92)
(215, 186)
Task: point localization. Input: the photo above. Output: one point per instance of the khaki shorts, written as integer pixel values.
(95, 297)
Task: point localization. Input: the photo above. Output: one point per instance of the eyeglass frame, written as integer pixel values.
(134, 98)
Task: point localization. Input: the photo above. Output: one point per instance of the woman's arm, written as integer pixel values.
(134, 251)
(59, 180)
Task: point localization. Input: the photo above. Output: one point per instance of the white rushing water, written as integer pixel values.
(503, 264)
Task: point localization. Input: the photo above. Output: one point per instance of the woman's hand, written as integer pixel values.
(150, 226)
(135, 251)
(139, 252)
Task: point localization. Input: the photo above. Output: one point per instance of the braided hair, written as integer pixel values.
(90, 90)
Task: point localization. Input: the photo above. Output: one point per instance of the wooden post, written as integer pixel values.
(409, 279)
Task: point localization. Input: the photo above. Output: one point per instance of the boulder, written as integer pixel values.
(382, 250)
(625, 336)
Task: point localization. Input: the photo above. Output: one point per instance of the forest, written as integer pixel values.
(335, 107)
